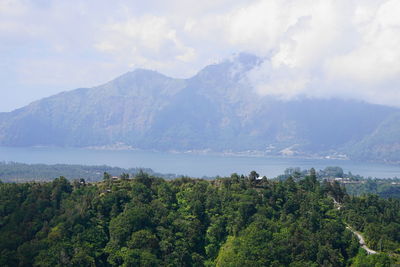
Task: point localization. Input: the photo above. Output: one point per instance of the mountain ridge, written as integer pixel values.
(216, 109)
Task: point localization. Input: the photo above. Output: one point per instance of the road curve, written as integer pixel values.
(362, 241)
(359, 236)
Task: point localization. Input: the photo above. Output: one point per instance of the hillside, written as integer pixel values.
(382, 143)
(233, 221)
(217, 110)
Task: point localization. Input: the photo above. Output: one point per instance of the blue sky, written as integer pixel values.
(330, 48)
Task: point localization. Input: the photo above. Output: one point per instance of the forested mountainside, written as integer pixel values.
(233, 221)
(218, 109)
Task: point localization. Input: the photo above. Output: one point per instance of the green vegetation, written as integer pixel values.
(385, 188)
(378, 219)
(355, 184)
(148, 221)
(21, 172)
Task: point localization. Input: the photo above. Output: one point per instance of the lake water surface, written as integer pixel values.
(189, 164)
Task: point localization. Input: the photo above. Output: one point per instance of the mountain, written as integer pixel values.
(217, 109)
(382, 143)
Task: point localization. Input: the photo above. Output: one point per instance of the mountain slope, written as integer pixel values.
(382, 143)
(92, 116)
(216, 109)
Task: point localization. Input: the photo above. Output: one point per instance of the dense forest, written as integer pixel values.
(233, 221)
(378, 219)
(355, 184)
(385, 188)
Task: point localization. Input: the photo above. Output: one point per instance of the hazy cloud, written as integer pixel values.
(147, 41)
(326, 48)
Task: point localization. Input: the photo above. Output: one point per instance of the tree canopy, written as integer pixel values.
(232, 221)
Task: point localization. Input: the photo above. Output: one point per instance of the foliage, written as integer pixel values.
(385, 188)
(21, 172)
(148, 221)
(377, 218)
(355, 184)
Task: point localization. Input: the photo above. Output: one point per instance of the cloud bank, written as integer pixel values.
(341, 48)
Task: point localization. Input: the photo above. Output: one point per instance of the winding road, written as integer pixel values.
(362, 241)
(359, 236)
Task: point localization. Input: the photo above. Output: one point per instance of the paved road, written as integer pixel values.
(359, 236)
(361, 241)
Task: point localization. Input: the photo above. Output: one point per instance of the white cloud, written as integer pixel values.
(377, 57)
(321, 48)
(147, 41)
(12, 7)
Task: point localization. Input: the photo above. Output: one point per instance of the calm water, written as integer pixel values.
(188, 164)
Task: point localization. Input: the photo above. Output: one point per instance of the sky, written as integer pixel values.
(330, 48)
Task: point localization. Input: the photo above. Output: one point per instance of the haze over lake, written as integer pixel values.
(189, 164)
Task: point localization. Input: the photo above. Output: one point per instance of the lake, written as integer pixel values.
(189, 164)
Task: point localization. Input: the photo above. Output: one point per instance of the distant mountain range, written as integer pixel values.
(215, 110)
